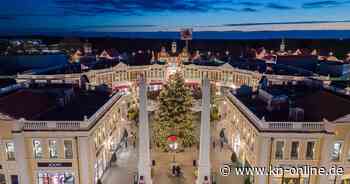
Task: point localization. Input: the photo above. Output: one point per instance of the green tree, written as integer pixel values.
(174, 116)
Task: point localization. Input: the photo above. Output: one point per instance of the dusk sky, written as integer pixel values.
(27, 16)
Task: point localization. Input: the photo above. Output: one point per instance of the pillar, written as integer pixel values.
(264, 156)
(325, 158)
(144, 163)
(204, 149)
(83, 153)
(21, 155)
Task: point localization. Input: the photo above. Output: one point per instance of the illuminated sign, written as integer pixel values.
(54, 164)
(186, 34)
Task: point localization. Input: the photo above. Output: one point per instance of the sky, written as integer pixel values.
(33, 16)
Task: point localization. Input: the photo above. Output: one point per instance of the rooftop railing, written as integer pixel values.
(322, 126)
(23, 124)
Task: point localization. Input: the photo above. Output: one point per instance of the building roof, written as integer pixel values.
(44, 103)
(6, 82)
(25, 104)
(83, 104)
(317, 104)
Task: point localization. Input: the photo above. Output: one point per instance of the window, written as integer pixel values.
(53, 149)
(14, 179)
(349, 155)
(336, 151)
(10, 150)
(310, 150)
(279, 150)
(2, 179)
(68, 149)
(37, 149)
(295, 150)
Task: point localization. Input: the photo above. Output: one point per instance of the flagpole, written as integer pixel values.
(187, 46)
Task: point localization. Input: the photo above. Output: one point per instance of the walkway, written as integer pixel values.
(124, 170)
(162, 170)
(219, 157)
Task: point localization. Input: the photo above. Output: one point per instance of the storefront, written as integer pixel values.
(55, 173)
(45, 177)
(290, 180)
(124, 89)
(155, 86)
(2, 179)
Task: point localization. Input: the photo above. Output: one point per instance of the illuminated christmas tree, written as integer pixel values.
(174, 116)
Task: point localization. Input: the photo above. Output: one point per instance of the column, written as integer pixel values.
(325, 158)
(264, 147)
(204, 149)
(21, 155)
(144, 164)
(83, 153)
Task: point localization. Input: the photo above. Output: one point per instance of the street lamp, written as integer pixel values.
(173, 145)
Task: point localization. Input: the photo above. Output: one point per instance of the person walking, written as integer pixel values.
(142, 180)
(206, 180)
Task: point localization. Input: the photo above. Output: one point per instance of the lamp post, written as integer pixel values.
(173, 145)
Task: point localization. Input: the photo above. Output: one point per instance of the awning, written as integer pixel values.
(121, 87)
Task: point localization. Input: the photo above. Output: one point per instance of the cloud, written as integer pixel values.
(247, 3)
(278, 6)
(249, 10)
(324, 4)
(137, 7)
(113, 26)
(7, 18)
(284, 23)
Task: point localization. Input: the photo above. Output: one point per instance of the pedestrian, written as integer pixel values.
(99, 181)
(214, 144)
(142, 181)
(178, 171)
(206, 180)
(221, 145)
(173, 171)
(134, 144)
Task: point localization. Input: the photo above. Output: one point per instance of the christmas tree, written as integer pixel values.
(174, 117)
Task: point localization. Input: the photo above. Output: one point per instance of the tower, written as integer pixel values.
(283, 45)
(87, 48)
(173, 48)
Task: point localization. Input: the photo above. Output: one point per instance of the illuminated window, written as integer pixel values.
(336, 151)
(53, 149)
(68, 149)
(310, 150)
(10, 151)
(37, 149)
(295, 150)
(279, 150)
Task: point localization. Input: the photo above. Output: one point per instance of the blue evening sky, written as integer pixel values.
(30, 16)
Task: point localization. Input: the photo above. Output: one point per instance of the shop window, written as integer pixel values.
(14, 179)
(2, 179)
(279, 150)
(10, 150)
(310, 150)
(53, 148)
(37, 149)
(336, 151)
(55, 178)
(294, 150)
(68, 149)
